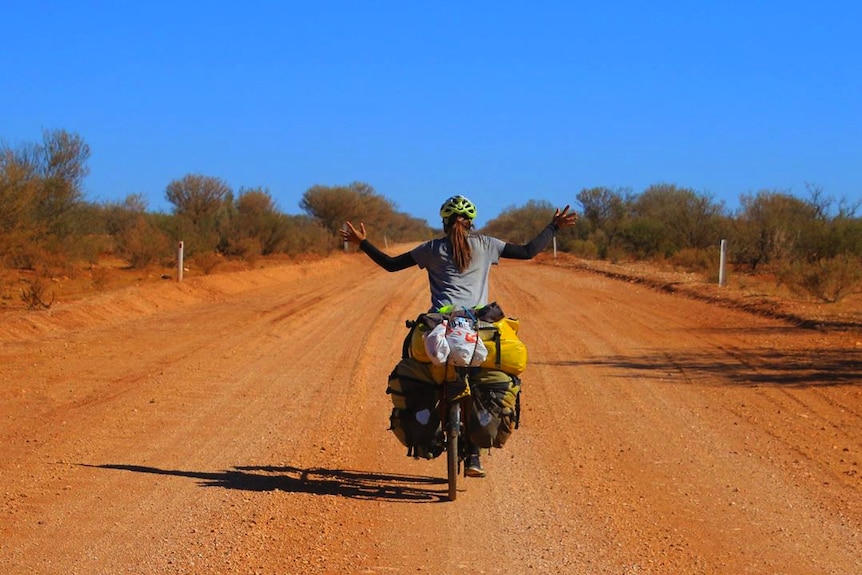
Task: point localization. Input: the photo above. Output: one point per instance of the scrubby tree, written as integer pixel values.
(40, 190)
(811, 249)
(63, 168)
(646, 237)
(604, 214)
(305, 235)
(602, 207)
(199, 201)
(253, 225)
(768, 227)
(833, 230)
(196, 197)
(138, 239)
(403, 227)
(17, 192)
(680, 216)
(333, 205)
(520, 224)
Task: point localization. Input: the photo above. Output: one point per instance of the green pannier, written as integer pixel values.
(415, 417)
(496, 408)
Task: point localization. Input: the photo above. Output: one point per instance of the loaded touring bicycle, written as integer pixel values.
(457, 384)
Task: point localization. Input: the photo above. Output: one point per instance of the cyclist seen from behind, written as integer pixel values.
(459, 263)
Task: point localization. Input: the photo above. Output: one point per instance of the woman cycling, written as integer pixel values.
(459, 263)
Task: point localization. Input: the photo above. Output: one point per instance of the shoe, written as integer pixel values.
(474, 467)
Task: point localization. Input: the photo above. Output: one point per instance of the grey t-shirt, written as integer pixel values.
(448, 285)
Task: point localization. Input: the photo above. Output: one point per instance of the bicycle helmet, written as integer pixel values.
(458, 205)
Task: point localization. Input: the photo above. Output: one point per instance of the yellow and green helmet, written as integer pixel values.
(458, 205)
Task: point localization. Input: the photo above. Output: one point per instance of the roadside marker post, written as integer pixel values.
(180, 262)
(722, 263)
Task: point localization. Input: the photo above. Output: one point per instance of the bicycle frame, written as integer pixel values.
(455, 423)
(455, 400)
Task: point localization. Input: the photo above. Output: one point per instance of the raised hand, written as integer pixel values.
(351, 234)
(563, 219)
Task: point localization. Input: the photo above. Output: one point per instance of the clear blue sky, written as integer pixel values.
(501, 101)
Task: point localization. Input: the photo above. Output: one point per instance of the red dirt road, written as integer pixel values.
(237, 423)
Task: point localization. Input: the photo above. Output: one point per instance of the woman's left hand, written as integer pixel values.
(563, 219)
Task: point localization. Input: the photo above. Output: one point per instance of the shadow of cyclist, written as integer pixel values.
(316, 480)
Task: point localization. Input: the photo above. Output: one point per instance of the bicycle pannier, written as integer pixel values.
(415, 419)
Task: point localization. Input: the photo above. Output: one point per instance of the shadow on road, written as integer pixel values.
(316, 480)
(797, 368)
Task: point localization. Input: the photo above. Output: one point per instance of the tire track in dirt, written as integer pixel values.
(644, 400)
(221, 351)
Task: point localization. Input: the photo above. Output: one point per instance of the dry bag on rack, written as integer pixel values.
(505, 350)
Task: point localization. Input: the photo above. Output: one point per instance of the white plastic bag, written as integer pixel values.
(436, 345)
(465, 346)
(480, 353)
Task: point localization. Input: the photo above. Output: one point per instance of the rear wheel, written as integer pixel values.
(453, 429)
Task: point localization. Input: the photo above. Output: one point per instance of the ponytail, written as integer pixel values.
(458, 229)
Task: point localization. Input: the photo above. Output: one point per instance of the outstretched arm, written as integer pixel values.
(561, 219)
(387, 262)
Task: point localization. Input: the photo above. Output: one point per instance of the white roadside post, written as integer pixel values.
(722, 263)
(555, 247)
(180, 262)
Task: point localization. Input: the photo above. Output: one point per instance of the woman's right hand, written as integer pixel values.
(351, 234)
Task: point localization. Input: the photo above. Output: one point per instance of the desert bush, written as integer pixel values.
(520, 224)
(198, 198)
(251, 225)
(697, 260)
(359, 202)
(35, 295)
(78, 248)
(682, 217)
(828, 279)
(768, 228)
(141, 243)
(100, 277)
(305, 235)
(36, 257)
(43, 216)
(207, 261)
(600, 241)
(645, 238)
(247, 248)
(583, 249)
(17, 253)
(604, 209)
(616, 254)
